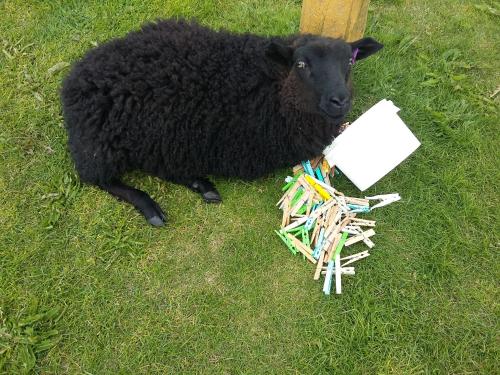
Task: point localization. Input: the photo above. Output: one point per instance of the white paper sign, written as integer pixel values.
(372, 146)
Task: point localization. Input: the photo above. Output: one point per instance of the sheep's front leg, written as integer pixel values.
(202, 186)
(206, 189)
(139, 199)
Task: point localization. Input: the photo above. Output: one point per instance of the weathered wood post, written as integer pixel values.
(336, 18)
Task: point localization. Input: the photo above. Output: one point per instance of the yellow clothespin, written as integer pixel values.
(324, 194)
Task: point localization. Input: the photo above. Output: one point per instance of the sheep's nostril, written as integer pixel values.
(339, 102)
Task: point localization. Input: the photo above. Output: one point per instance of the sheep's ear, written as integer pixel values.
(366, 47)
(280, 53)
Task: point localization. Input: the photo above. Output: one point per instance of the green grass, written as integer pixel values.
(87, 287)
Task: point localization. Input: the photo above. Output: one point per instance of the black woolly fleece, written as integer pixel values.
(181, 101)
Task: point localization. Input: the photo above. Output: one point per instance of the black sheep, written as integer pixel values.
(181, 102)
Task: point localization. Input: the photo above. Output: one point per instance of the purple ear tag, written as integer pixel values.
(353, 58)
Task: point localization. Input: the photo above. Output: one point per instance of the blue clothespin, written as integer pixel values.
(360, 211)
(319, 174)
(319, 245)
(327, 286)
(308, 168)
(309, 223)
(356, 208)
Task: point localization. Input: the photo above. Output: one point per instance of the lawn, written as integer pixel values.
(86, 286)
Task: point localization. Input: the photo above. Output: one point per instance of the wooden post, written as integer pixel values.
(335, 18)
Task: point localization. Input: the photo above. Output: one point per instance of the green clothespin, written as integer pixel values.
(342, 241)
(287, 242)
(296, 229)
(283, 238)
(302, 209)
(287, 186)
(297, 196)
(292, 182)
(305, 237)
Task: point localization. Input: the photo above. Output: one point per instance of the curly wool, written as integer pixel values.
(181, 101)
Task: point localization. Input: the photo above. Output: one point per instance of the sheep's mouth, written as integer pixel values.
(332, 116)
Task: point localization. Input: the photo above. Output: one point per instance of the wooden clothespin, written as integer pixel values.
(302, 248)
(319, 266)
(352, 229)
(354, 258)
(286, 212)
(316, 161)
(357, 201)
(298, 205)
(297, 169)
(360, 237)
(363, 222)
(343, 270)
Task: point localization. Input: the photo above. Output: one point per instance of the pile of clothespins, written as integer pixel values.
(319, 221)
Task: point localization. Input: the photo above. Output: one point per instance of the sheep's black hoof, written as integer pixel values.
(156, 221)
(143, 203)
(206, 189)
(155, 215)
(212, 197)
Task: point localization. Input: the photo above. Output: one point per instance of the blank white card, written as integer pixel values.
(372, 146)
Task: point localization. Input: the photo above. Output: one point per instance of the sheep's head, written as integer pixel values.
(319, 72)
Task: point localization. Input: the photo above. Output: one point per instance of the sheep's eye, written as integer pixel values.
(301, 64)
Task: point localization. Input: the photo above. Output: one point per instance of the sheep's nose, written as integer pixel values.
(339, 101)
